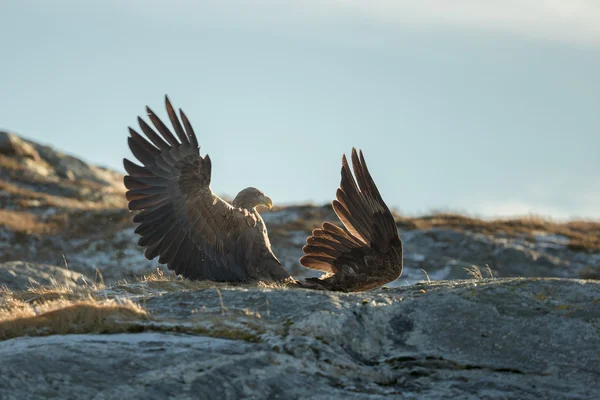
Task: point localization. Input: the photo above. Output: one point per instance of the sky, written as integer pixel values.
(487, 108)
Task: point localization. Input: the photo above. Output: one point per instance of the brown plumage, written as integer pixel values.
(201, 236)
(367, 251)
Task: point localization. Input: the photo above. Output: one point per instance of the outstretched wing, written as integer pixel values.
(192, 230)
(367, 251)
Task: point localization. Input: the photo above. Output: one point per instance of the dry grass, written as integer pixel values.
(64, 316)
(42, 294)
(158, 276)
(70, 223)
(11, 163)
(474, 272)
(169, 282)
(42, 311)
(27, 198)
(26, 222)
(47, 310)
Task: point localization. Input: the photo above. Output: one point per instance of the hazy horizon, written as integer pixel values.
(486, 109)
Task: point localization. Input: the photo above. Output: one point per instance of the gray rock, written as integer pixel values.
(493, 339)
(444, 254)
(19, 275)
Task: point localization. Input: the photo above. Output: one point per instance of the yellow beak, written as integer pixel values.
(267, 202)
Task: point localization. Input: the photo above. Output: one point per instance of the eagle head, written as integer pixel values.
(250, 198)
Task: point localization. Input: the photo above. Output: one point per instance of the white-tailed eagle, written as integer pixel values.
(201, 236)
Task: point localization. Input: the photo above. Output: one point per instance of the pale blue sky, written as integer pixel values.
(491, 108)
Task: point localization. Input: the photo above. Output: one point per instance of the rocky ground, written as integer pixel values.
(510, 338)
(71, 271)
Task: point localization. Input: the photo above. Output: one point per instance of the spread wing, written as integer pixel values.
(192, 230)
(368, 246)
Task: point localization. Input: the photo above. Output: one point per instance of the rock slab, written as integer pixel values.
(488, 339)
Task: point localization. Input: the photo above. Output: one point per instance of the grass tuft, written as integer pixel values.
(69, 317)
(474, 272)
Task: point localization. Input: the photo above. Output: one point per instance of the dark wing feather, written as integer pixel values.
(368, 244)
(181, 221)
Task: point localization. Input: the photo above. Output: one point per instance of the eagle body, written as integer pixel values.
(200, 236)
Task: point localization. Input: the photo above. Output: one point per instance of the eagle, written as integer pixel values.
(201, 236)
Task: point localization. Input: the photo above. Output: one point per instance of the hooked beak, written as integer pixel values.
(266, 201)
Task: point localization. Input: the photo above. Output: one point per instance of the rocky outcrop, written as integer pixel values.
(39, 178)
(496, 338)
